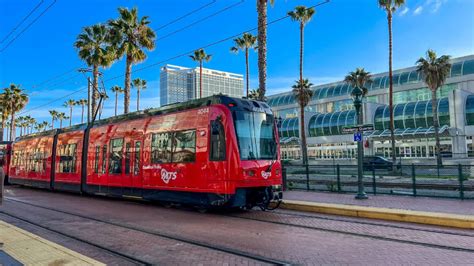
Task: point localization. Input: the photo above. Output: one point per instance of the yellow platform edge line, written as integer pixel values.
(400, 215)
(74, 256)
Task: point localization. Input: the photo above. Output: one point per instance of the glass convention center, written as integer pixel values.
(331, 109)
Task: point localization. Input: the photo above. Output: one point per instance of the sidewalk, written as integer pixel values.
(23, 248)
(434, 211)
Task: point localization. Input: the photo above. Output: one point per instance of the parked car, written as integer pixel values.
(377, 162)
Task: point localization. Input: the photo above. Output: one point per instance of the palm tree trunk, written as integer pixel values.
(116, 102)
(82, 114)
(52, 123)
(128, 74)
(262, 46)
(12, 127)
(138, 99)
(70, 116)
(200, 79)
(301, 53)
(247, 69)
(60, 123)
(434, 107)
(390, 91)
(3, 129)
(95, 89)
(303, 136)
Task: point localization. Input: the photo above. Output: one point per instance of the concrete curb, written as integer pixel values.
(399, 215)
(30, 249)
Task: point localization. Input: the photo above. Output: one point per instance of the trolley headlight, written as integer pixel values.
(251, 173)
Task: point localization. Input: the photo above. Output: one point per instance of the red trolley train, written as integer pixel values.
(215, 151)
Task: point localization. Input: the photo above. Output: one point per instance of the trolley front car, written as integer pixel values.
(211, 152)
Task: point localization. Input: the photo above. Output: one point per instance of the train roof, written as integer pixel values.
(240, 104)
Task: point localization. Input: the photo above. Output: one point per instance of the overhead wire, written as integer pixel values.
(176, 56)
(186, 15)
(28, 26)
(21, 22)
(200, 20)
(159, 28)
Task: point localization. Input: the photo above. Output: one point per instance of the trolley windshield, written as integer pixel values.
(255, 135)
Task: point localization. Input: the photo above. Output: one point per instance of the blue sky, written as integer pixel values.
(343, 35)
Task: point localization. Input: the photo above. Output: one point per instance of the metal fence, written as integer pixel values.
(449, 181)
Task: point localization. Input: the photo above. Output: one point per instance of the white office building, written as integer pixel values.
(179, 84)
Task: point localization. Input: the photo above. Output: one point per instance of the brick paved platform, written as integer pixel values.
(21, 247)
(454, 206)
(435, 211)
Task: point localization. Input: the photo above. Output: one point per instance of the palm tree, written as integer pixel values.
(93, 48)
(31, 123)
(117, 90)
(434, 71)
(18, 99)
(61, 116)
(139, 84)
(200, 56)
(244, 43)
(40, 127)
(360, 79)
(54, 116)
(255, 95)
(82, 103)
(303, 94)
(70, 104)
(130, 35)
(390, 6)
(5, 110)
(262, 45)
(302, 15)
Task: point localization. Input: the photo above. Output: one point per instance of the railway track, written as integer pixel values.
(357, 234)
(239, 253)
(375, 224)
(132, 259)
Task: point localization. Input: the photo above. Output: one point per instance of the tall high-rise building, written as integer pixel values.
(179, 84)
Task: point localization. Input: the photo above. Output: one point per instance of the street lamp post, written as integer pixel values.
(357, 99)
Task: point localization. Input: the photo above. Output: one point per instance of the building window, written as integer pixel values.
(116, 154)
(67, 158)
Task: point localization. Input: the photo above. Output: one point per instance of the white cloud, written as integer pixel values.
(435, 5)
(404, 11)
(418, 10)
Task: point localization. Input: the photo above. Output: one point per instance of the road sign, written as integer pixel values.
(360, 128)
(358, 137)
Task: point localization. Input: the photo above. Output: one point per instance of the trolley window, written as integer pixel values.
(161, 148)
(115, 156)
(104, 158)
(96, 162)
(127, 157)
(184, 146)
(217, 152)
(136, 165)
(255, 135)
(67, 158)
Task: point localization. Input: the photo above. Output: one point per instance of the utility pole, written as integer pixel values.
(88, 100)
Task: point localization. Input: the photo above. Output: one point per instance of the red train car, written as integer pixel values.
(215, 151)
(5, 155)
